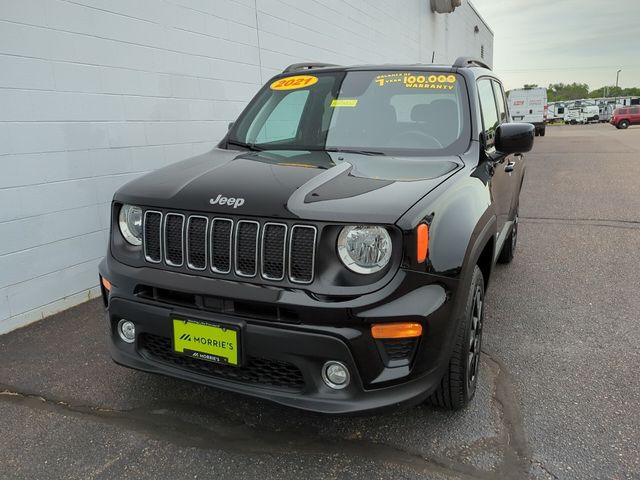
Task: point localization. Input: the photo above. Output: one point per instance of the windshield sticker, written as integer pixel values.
(344, 102)
(410, 80)
(292, 83)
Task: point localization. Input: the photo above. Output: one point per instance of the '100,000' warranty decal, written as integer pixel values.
(411, 80)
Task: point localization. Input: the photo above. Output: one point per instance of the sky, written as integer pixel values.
(553, 41)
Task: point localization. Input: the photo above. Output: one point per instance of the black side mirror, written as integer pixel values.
(514, 137)
(231, 125)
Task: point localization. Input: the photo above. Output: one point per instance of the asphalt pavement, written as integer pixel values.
(559, 392)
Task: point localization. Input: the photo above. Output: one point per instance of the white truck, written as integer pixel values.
(529, 105)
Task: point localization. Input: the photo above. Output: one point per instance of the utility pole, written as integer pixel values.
(617, 78)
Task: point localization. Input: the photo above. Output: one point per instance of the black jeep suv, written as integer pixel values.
(332, 252)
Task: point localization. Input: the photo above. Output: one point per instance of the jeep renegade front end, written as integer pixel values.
(332, 252)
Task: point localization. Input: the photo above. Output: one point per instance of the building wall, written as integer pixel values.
(96, 92)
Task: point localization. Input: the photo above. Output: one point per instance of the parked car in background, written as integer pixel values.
(623, 117)
(332, 252)
(529, 105)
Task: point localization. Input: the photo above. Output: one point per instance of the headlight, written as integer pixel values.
(130, 221)
(364, 248)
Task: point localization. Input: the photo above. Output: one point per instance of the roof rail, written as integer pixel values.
(470, 61)
(307, 66)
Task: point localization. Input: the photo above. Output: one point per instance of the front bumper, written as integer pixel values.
(290, 354)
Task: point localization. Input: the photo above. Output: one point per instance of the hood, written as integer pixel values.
(314, 185)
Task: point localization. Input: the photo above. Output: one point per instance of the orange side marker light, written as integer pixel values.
(422, 246)
(106, 284)
(396, 330)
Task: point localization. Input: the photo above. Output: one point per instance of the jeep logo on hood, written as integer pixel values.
(231, 201)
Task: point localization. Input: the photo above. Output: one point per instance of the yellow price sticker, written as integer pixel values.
(344, 102)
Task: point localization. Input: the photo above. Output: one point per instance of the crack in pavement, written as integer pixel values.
(225, 435)
(545, 469)
(242, 438)
(595, 222)
(516, 454)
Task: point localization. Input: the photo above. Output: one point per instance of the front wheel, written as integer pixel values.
(458, 385)
(623, 124)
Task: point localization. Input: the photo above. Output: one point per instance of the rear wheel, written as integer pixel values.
(509, 247)
(623, 124)
(458, 385)
(543, 131)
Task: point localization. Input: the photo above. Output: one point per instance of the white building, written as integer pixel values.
(96, 92)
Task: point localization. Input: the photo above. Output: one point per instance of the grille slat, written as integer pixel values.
(199, 242)
(247, 248)
(152, 242)
(274, 240)
(221, 230)
(302, 253)
(174, 239)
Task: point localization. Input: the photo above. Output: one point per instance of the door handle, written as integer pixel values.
(510, 166)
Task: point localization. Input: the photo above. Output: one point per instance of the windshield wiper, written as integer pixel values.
(249, 146)
(349, 150)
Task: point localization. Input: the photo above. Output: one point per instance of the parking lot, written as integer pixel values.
(559, 394)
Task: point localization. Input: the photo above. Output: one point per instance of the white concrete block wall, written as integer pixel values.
(96, 92)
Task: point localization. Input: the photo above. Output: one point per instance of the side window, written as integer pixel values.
(489, 111)
(503, 114)
(284, 120)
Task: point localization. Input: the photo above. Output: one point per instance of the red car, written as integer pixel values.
(625, 116)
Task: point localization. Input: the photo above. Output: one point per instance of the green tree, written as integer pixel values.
(613, 91)
(570, 91)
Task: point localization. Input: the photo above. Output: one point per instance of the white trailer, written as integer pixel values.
(529, 105)
(575, 115)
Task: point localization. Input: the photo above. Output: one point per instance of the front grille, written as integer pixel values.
(245, 248)
(258, 371)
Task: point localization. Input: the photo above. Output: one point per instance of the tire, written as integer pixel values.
(510, 243)
(543, 131)
(458, 384)
(623, 124)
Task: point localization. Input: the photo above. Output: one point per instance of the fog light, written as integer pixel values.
(335, 375)
(127, 330)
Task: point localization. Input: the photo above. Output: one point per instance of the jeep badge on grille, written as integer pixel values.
(220, 200)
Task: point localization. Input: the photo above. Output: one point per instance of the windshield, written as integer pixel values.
(386, 112)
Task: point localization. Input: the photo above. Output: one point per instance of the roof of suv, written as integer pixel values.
(462, 62)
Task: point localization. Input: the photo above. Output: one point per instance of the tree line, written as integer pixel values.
(557, 92)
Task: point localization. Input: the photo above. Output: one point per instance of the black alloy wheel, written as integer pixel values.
(459, 382)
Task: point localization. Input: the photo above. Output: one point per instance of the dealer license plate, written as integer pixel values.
(217, 343)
